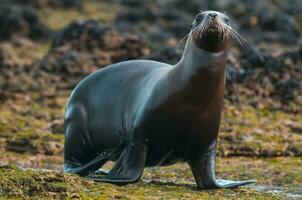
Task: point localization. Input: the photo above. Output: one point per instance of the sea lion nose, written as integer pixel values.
(213, 15)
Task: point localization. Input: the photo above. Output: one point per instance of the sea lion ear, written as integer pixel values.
(191, 26)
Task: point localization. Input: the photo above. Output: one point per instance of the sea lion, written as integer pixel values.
(144, 113)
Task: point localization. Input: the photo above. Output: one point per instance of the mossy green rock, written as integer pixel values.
(173, 182)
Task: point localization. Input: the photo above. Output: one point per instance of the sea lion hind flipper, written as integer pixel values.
(222, 183)
(129, 167)
(96, 163)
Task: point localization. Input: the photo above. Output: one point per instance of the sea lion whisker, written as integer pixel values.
(239, 37)
(198, 31)
(224, 31)
(205, 27)
(234, 34)
(201, 30)
(201, 27)
(226, 12)
(184, 38)
(231, 31)
(237, 34)
(218, 25)
(242, 38)
(192, 32)
(229, 28)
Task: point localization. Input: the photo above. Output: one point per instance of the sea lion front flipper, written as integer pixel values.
(203, 170)
(129, 167)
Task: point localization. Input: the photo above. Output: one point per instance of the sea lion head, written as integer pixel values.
(211, 31)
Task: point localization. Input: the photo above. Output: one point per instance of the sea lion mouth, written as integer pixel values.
(215, 28)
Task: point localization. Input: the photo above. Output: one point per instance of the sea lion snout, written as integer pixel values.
(210, 20)
(211, 31)
(212, 15)
(203, 18)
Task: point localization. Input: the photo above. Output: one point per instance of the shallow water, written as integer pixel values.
(292, 193)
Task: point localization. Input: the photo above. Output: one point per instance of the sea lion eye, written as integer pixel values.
(226, 20)
(199, 18)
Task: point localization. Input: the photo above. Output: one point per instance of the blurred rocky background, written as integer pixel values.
(48, 46)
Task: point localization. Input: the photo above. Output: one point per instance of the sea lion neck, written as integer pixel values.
(194, 58)
(197, 79)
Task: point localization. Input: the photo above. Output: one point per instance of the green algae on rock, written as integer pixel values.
(41, 184)
(249, 132)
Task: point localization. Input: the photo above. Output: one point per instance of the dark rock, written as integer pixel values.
(84, 46)
(134, 15)
(280, 22)
(176, 22)
(67, 3)
(261, 15)
(82, 34)
(264, 74)
(47, 3)
(287, 89)
(253, 56)
(167, 55)
(21, 21)
(64, 63)
(92, 35)
(131, 3)
(21, 145)
(291, 7)
(156, 20)
(64, 67)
